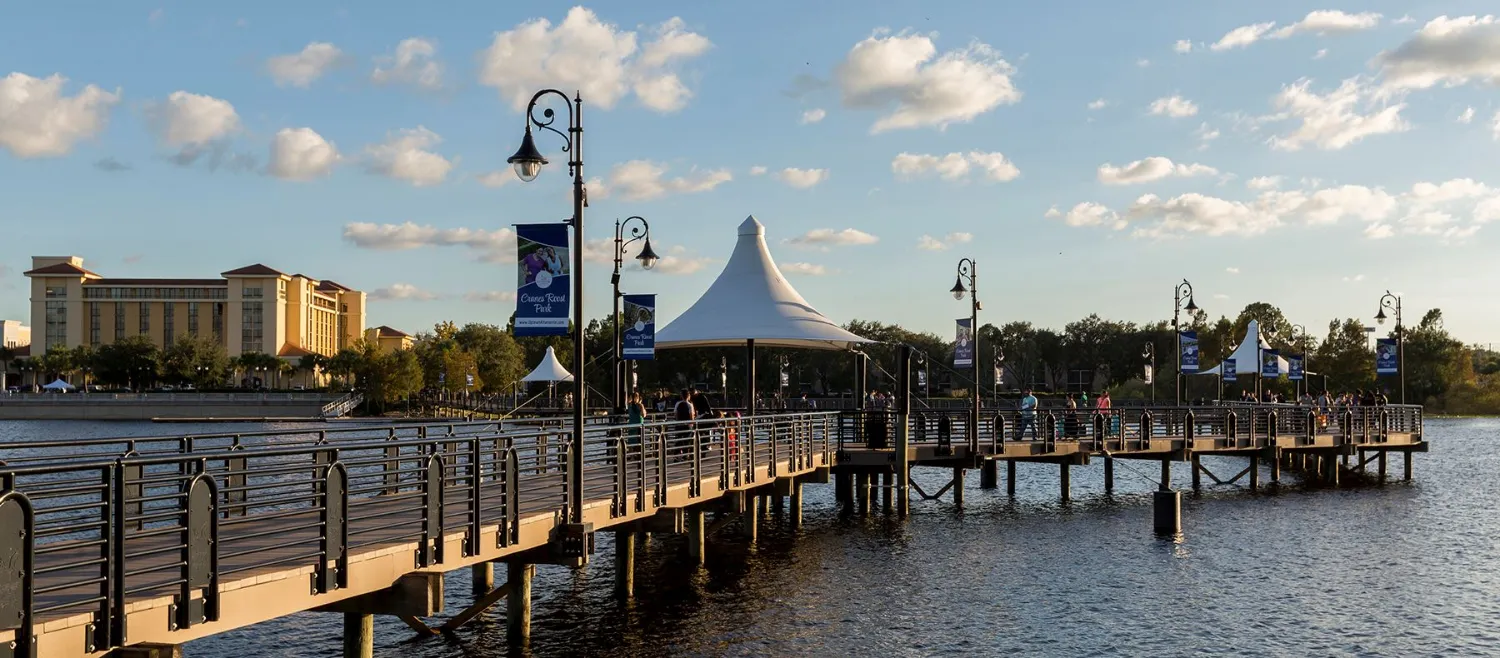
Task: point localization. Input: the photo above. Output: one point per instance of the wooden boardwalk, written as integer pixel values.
(162, 540)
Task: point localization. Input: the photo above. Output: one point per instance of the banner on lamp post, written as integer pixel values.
(1270, 363)
(1228, 370)
(1188, 360)
(639, 340)
(999, 375)
(963, 346)
(1386, 357)
(1294, 367)
(1149, 376)
(542, 296)
(922, 379)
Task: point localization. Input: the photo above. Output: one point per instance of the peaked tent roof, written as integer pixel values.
(1246, 356)
(549, 370)
(752, 300)
(59, 385)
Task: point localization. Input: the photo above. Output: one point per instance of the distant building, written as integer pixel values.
(387, 339)
(13, 334)
(248, 310)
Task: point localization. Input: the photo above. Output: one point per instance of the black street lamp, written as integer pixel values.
(528, 162)
(1393, 302)
(1149, 354)
(968, 270)
(648, 259)
(1180, 292)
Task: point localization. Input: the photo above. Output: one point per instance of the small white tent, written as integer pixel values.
(549, 370)
(1247, 357)
(59, 385)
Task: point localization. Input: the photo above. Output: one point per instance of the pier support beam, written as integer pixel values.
(794, 512)
(484, 578)
(359, 635)
(886, 484)
(750, 517)
(989, 475)
(1276, 468)
(1361, 461)
(624, 564)
(695, 536)
(1380, 465)
(1197, 475)
(958, 485)
(1010, 478)
(1065, 482)
(1166, 476)
(518, 602)
(1407, 456)
(1109, 475)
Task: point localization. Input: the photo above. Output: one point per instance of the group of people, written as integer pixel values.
(539, 260)
(1072, 403)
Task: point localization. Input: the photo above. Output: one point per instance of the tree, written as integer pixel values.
(1274, 326)
(198, 359)
(1345, 357)
(497, 356)
(343, 364)
(384, 378)
(132, 361)
(312, 364)
(7, 356)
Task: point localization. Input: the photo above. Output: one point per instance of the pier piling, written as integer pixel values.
(794, 512)
(750, 517)
(695, 536)
(1407, 456)
(1065, 482)
(518, 602)
(989, 475)
(958, 486)
(1010, 478)
(1109, 475)
(484, 578)
(1380, 466)
(624, 564)
(886, 485)
(359, 635)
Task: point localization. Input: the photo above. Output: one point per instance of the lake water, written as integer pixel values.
(1400, 570)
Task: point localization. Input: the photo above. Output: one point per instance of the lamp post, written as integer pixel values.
(528, 162)
(1393, 302)
(968, 270)
(1149, 354)
(648, 259)
(1180, 291)
(1299, 339)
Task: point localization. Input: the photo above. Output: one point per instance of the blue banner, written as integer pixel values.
(1386, 362)
(542, 296)
(1228, 370)
(1188, 361)
(1294, 367)
(963, 346)
(1270, 363)
(640, 327)
(922, 379)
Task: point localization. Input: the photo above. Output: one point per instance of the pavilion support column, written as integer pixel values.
(749, 377)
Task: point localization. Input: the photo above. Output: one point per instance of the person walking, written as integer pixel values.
(1028, 415)
(684, 413)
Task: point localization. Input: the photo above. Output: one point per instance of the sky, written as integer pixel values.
(1088, 156)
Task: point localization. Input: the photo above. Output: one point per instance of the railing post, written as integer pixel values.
(622, 451)
(1051, 431)
(107, 558)
(1385, 425)
(1099, 430)
(1189, 430)
(234, 482)
(200, 552)
(697, 465)
(1148, 426)
(334, 542)
(18, 559)
(511, 519)
(476, 455)
(431, 550)
(1231, 429)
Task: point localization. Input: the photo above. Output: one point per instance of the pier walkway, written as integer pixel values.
(125, 546)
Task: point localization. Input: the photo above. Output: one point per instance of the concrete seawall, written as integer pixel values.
(147, 410)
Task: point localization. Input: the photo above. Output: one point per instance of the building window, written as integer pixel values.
(93, 324)
(251, 292)
(56, 293)
(119, 322)
(193, 318)
(145, 319)
(218, 322)
(166, 323)
(252, 335)
(57, 324)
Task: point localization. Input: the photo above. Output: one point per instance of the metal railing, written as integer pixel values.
(342, 406)
(180, 516)
(77, 397)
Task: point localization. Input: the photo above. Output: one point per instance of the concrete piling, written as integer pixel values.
(624, 564)
(1109, 475)
(359, 635)
(794, 513)
(695, 536)
(518, 602)
(1010, 478)
(750, 518)
(989, 475)
(958, 486)
(484, 578)
(1166, 511)
(1065, 482)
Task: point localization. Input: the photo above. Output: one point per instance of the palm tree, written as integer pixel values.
(7, 355)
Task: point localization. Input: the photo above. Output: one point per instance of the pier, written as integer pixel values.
(128, 546)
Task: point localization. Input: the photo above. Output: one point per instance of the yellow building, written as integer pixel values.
(387, 339)
(250, 309)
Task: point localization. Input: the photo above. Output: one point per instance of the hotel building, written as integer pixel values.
(250, 309)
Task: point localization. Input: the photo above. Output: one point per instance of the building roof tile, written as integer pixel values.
(61, 268)
(254, 270)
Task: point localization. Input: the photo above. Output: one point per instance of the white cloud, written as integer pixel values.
(497, 178)
(1176, 107)
(1206, 134)
(1329, 21)
(757, 170)
(808, 269)
(498, 245)
(1466, 116)
(1220, 295)
(827, 237)
(814, 115)
(1143, 62)
(192, 119)
(404, 155)
(1495, 126)
(1263, 183)
(403, 292)
(1232, 270)
(1333, 121)
(1448, 51)
(1183, 46)
(1322, 52)
(955, 166)
(1150, 169)
(903, 76)
(1457, 189)
(1088, 213)
(598, 59)
(676, 261)
(301, 154)
(37, 120)
(802, 178)
(641, 180)
(1098, 104)
(301, 69)
(929, 243)
(1194, 213)
(1242, 36)
(1379, 231)
(1354, 279)
(414, 63)
(490, 296)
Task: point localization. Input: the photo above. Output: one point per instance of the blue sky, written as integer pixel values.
(1312, 163)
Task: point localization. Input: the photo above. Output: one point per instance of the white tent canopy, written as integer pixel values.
(59, 385)
(549, 370)
(1247, 355)
(751, 300)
